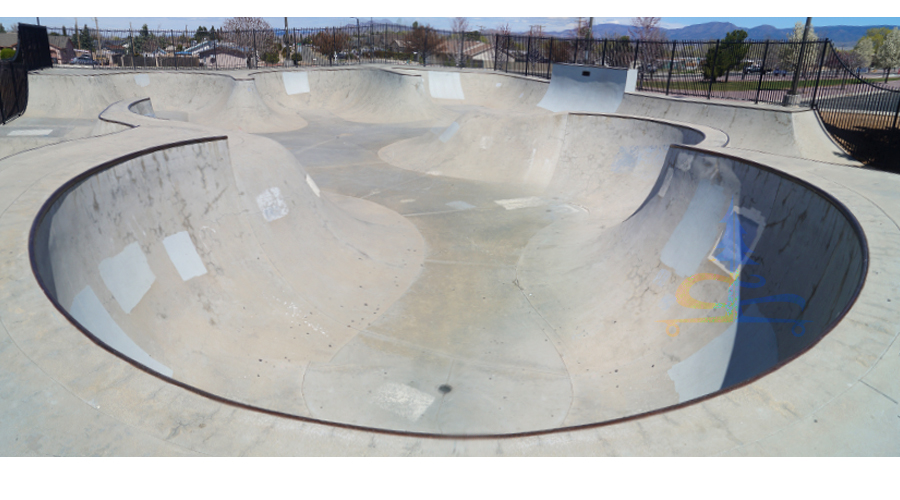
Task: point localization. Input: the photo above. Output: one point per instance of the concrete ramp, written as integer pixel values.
(588, 89)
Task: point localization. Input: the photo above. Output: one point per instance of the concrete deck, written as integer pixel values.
(403, 261)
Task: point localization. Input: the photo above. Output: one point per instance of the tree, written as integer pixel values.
(877, 37)
(422, 40)
(864, 52)
(646, 29)
(85, 41)
(731, 53)
(330, 42)
(459, 26)
(64, 30)
(2, 29)
(248, 33)
(889, 52)
(201, 34)
(790, 52)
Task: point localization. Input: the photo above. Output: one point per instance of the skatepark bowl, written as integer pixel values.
(416, 261)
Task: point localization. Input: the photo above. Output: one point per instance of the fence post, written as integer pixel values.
(812, 104)
(637, 46)
(425, 51)
(496, 49)
(527, 54)
(255, 55)
(712, 71)
(575, 52)
(896, 111)
(603, 58)
(671, 66)
(174, 52)
(508, 39)
(762, 72)
(550, 59)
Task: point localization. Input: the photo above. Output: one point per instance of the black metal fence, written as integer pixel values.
(857, 109)
(32, 52)
(280, 48)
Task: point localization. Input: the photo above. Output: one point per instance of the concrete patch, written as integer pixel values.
(272, 204)
(36, 132)
(87, 310)
(517, 203)
(704, 371)
(142, 80)
(697, 231)
(445, 85)
(295, 83)
(449, 132)
(403, 400)
(127, 276)
(183, 255)
(460, 205)
(312, 185)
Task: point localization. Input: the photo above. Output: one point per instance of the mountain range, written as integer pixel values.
(841, 36)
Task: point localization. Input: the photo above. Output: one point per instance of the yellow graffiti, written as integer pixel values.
(684, 298)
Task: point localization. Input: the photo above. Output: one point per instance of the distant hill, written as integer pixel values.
(841, 36)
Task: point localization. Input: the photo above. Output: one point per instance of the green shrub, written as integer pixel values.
(7, 53)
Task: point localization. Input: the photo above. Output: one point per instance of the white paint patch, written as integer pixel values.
(704, 371)
(460, 205)
(449, 132)
(127, 276)
(499, 85)
(517, 203)
(486, 142)
(697, 230)
(87, 310)
(295, 83)
(522, 95)
(668, 300)
(683, 162)
(184, 256)
(410, 200)
(142, 80)
(403, 400)
(665, 185)
(312, 185)
(31, 131)
(272, 204)
(445, 85)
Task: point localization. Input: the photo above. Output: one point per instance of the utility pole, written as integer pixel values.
(77, 34)
(97, 28)
(358, 54)
(792, 98)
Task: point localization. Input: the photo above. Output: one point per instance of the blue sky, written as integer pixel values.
(516, 23)
(158, 13)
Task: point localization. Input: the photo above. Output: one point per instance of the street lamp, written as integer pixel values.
(358, 54)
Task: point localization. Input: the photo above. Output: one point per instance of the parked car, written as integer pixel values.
(756, 69)
(85, 60)
(780, 72)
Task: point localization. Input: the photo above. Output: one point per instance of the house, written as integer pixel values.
(473, 53)
(212, 54)
(398, 45)
(61, 48)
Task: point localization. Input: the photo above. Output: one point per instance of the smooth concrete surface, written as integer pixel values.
(368, 271)
(590, 89)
